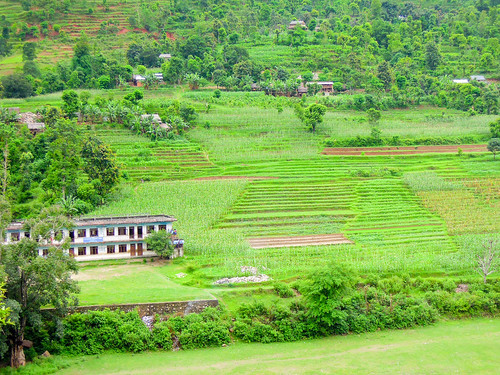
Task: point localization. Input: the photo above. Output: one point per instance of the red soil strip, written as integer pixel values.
(122, 31)
(213, 178)
(403, 150)
(312, 240)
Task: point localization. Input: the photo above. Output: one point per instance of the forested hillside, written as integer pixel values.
(410, 49)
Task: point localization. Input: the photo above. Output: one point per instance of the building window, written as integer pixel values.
(72, 235)
(14, 236)
(150, 229)
(122, 231)
(71, 252)
(139, 232)
(94, 232)
(162, 227)
(45, 252)
(110, 231)
(122, 248)
(82, 251)
(27, 234)
(82, 232)
(94, 250)
(111, 249)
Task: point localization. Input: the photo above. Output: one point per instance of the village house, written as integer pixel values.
(478, 78)
(326, 86)
(294, 24)
(138, 80)
(165, 56)
(100, 238)
(461, 81)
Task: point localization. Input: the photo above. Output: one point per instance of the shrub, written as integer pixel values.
(96, 331)
(283, 290)
(162, 336)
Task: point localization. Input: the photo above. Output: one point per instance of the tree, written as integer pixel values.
(432, 56)
(34, 281)
(4, 311)
(193, 80)
(29, 51)
(16, 86)
(161, 243)
(494, 146)
(100, 163)
(384, 74)
(173, 70)
(31, 68)
(313, 116)
(487, 261)
(323, 295)
(495, 128)
(63, 157)
(373, 115)
(71, 103)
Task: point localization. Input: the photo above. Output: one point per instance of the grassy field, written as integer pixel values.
(455, 347)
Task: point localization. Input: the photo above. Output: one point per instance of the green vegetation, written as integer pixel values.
(433, 349)
(235, 163)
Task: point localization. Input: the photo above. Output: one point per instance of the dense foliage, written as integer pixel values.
(58, 166)
(404, 51)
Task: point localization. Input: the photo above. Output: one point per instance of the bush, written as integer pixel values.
(162, 336)
(96, 331)
(283, 290)
(202, 330)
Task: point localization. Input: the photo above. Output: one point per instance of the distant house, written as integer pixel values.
(159, 76)
(155, 117)
(478, 78)
(255, 87)
(165, 56)
(138, 80)
(36, 127)
(460, 81)
(326, 86)
(301, 90)
(294, 24)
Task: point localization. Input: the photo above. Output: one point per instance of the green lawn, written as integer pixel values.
(455, 347)
(116, 283)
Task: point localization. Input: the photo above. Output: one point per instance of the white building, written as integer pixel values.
(478, 78)
(102, 238)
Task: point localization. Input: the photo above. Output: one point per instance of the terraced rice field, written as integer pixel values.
(143, 160)
(315, 240)
(406, 150)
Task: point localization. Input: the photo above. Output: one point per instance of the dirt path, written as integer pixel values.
(312, 240)
(403, 150)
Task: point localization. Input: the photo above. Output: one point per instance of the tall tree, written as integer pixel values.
(384, 74)
(432, 56)
(100, 163)
(34, 281)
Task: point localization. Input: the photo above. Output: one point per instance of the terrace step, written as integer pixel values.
(312, 240)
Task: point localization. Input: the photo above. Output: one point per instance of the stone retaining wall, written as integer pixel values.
(150, 309)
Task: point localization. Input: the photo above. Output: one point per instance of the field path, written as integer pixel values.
(313, 240)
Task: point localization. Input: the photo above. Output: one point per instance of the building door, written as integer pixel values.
(131, 232)
(132, 249)
(139, 249)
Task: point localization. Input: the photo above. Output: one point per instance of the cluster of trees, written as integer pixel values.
(60, 165)
(85, 70)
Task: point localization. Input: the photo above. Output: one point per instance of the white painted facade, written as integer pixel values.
(107, 238)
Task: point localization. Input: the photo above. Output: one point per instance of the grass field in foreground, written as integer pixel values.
(456, 347)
